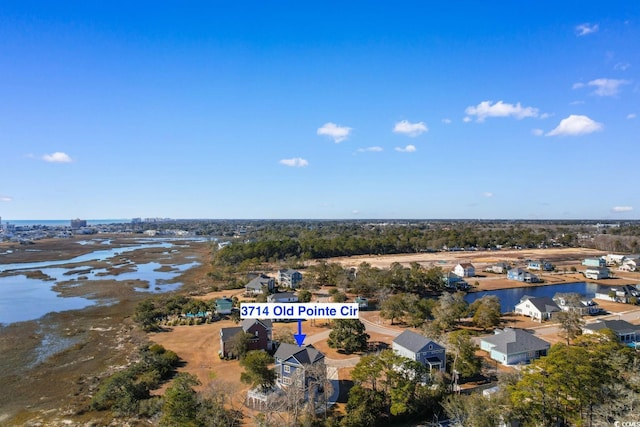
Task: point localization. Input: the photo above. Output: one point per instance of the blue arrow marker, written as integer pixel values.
(299, 336)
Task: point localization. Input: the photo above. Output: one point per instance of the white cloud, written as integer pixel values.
(586, 28)
(576, 125)
(335, 132)
(605, 87)
(618, 209)
(446, 121)
(369, 150)
(355, 212)
(57, 157)
(537, 132)
(410, 129)
(487, 194)
(631, 116)
(295, 162)
(545, 116)
(576, 103)
(467, 119)
(577, 85)
(408, 149)
(622, 66)
(500, 109)
(5, 199)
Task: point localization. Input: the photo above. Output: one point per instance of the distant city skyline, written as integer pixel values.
(350, 110)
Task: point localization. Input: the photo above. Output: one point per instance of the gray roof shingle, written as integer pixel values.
(513, 341)
(413, 341)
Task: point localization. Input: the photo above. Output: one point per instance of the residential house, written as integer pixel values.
(576, 303)
(630, 264)
(452, 281)
(420, 348)
(498, 268)
(464, 269)
(625, 331)
(623, 293)
(594, 262)
(522, 276)
(512, 346)
(596, 273)
(224, 305)
(538, 308)
(259, 329)
(282, 297)
(613, 259)
(540, 265)
(258, 285)
(297, 364)
(289, 278)
(363, 303)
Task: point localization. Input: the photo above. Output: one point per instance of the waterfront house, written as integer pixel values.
(452, 281)
(260, 284)
(522, 276)
(576, 303)
(538, 308)
(259, 329)
(297, 365)
(289, 278)
(596, 273)
(623, 293)
(594, 262)
(464, 269)
(421, 349)
(512, 346)
(625, 331)
(539, 265)
(224, 305)
(282, 297)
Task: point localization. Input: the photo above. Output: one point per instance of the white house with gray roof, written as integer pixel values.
(420, 348)
(512, 346)
(538, 308)
(625, 331)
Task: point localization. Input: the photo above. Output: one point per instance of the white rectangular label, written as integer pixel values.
(294, 310)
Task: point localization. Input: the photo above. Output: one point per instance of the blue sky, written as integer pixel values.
(320, 109)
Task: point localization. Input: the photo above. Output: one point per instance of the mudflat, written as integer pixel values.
(49, 367)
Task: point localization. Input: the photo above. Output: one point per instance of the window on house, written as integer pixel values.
(287, 368)
(286, 380)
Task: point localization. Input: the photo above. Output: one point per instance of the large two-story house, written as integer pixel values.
(288, 278)
(259, 329)
(538, 308)
(260, 284)
(298, 365)
(421, 349)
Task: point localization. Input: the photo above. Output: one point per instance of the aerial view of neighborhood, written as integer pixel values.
(419, 213)
(309, 322)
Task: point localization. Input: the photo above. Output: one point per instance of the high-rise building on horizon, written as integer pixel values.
(78, 223)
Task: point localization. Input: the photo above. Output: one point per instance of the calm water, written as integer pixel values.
(510, 297)
(23, 299)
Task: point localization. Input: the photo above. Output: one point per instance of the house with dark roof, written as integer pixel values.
(512, 346)
(622, 293)
(260, 284)
(464, 269)
(522, 276)
(259, 329)
(626, 332)
(289, 278)
(576, 303)
(297, 365)
(421, 349)
(538, 308)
